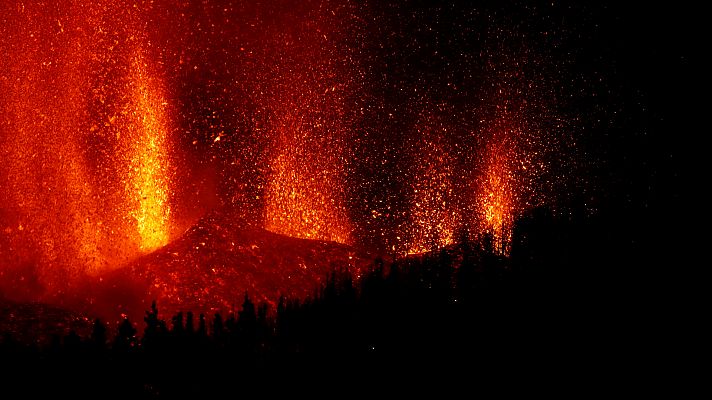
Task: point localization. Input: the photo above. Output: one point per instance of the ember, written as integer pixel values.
(149, 141)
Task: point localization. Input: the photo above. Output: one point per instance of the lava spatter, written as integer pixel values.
(147, 150)
(388, 127)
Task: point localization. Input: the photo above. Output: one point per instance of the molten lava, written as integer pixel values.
(434, 209)
(374, 126)
(302, 196)
(214, 264)
(148, 167)
(496, 201)
(86, 166)
(305, 104)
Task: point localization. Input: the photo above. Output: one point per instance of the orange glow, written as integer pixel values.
(496, 201)
(434, 215)
(148, 166)
(302, 198)
(53, 216)
(174, 132)
(304, 109)
(86, 166)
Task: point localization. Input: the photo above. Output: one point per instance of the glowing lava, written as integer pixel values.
(149, 173)
(218, 260)
(307, 126)
(301, 197)
(380, 126)
(496, 202)
(434, 210)
(50, 214)
(85, 138)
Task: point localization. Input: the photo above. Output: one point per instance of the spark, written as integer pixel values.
(148, 164)
(125, 125)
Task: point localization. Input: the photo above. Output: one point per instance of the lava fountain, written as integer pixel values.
(496, 200)
(305, 103)
(300, 196)
(86, 168)
(51, 216)
(147, 158)
(318, 120)
(433, 210)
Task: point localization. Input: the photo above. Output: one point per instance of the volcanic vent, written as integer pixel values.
(217, 261)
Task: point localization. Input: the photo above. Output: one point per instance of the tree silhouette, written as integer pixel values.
(98, 335)
(126, 336)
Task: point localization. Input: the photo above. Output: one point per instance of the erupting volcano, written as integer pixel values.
(191, 152)
(148, 168)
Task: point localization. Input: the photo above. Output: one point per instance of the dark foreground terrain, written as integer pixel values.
(558, 311)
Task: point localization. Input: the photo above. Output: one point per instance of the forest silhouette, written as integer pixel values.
(549, 309)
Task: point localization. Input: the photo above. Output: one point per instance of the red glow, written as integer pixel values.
(435, 214)
(119, 121)
(496, 201)
(148, 167)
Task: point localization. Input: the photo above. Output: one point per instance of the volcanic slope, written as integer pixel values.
(216, 262)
